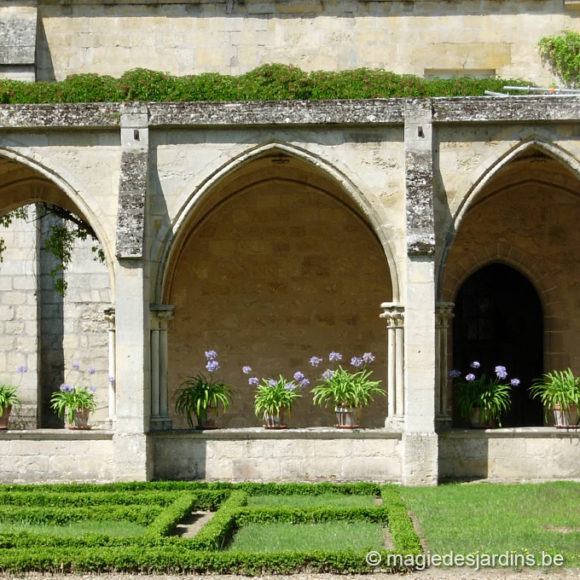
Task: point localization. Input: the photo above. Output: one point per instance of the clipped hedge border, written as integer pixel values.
(201, 554)
(166, 521)
(267, 82)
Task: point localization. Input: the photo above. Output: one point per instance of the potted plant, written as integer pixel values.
(347, 390)
(275, 397)
(8, 400)
(560, 392)
(75, 403)
(201, 397)
(482, 401)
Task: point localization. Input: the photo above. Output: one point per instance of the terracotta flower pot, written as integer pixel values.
(565, 418)
(4, 417)
(80, 420)
(347, 417)
(275, 421)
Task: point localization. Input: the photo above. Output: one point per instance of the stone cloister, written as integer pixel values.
(272, 232)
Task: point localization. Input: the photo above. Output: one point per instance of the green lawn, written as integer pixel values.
(334, 500)
(279, 536)
(494, 519)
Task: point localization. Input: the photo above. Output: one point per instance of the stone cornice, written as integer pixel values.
(378, 112)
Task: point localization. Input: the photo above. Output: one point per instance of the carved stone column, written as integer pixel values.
(394, 314)
(443, 316)
(110, 318)
(161, 314)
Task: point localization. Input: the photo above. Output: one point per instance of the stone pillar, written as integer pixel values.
(110, 317)
(394, 314)
(444, 313)
(133, 462)
(161, 314)
(420, 452)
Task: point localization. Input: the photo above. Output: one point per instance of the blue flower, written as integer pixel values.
(212, 365)
(315, 361)
(272, 382)
(515, 382)
(289, 387)
(356, 361)
(246, 370)
(210, 354)
(304, 382)
(298, 376)
(91, 370)
(470, 377)
(327, 375)
(501, 372)
(368, 357)
(454, 374)
(66, 388)
(22, 369)
(76, 366)
(111, 379)
(254, 381)
(475, 364)
(334, 356)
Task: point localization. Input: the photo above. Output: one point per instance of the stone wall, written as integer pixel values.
(258, 455)
(510, 455)
(54, 456)
(232, 37)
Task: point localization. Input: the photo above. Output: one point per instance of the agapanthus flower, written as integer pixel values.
(253, 381)
(212, 365)
(210, 354)
(76, 366)
(515, 382)
(298, 376)
(475, 364)
(304, 382)
(66, 388)
(272, 382)
(315, 361)
(334, 356)
(91, 370)
(246, 370)
(368, 357)
(327, 375)
(22, 369)
(289, 387)
(356, 361)
(501, 372)
(92, 389)
(470, 377)
(454, 374)
(111, 379)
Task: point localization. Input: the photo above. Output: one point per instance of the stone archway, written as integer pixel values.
(525, 218)
(44, 331)
(279, 266)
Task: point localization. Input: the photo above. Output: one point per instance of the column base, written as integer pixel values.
(161, 424)
(394, 423)
(443, 423)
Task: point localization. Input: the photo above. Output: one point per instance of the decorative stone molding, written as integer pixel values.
(161, 314)
(443, 316)
(394, 314)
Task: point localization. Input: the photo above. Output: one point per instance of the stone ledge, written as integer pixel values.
(261, 433)
(511, 432)
(56, 435)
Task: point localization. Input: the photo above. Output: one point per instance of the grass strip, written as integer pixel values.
(307, 501)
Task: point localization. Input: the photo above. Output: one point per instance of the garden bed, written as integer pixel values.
(157, 508)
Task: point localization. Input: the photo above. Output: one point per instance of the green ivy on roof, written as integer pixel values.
(268, 82)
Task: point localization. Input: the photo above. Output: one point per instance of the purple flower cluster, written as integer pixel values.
(290, 386)
(500, 372)
(212, 363)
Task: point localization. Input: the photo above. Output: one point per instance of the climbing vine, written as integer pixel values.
(563, 54)
(60, 239)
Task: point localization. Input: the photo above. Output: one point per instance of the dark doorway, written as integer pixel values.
(498, 321)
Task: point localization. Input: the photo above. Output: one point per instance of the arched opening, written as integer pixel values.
(275, 266)
(50, 318)
(498, 321)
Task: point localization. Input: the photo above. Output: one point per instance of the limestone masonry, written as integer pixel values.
(430, 232)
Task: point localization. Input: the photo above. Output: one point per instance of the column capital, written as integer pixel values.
(162, 311)
(110, 315)
(444, 313)
(393, 313)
